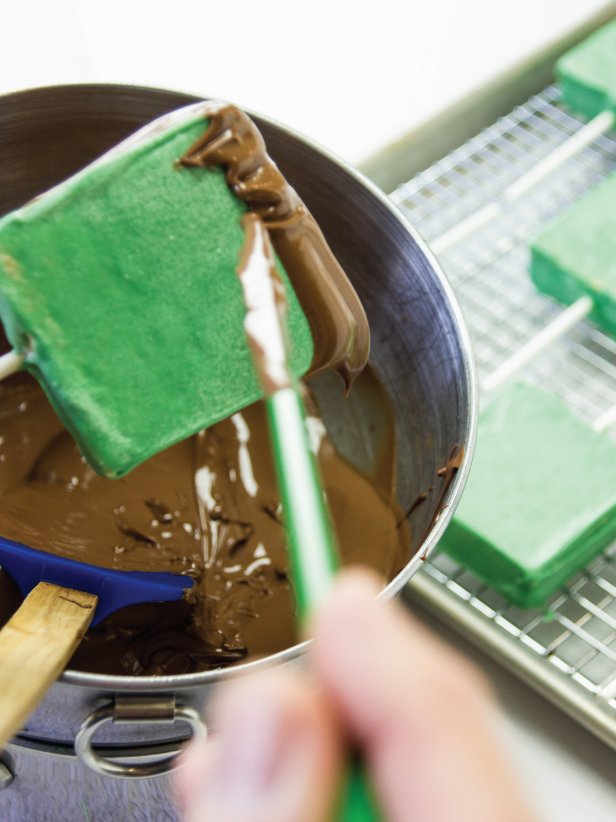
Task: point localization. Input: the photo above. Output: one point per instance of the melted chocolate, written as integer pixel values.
(207, 507)
(336, 316)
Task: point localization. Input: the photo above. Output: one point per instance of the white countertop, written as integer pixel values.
(353, 76)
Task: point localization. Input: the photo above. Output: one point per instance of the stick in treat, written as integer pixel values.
(573, 260)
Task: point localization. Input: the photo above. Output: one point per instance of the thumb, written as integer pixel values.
(276, 757)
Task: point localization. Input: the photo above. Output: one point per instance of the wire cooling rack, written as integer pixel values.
(568, 649)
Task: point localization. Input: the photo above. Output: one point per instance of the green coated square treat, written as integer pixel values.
(540, 500)
(119, 285)
(587, 73)
(576, 255)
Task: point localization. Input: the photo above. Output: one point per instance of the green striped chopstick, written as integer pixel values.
(310, 537)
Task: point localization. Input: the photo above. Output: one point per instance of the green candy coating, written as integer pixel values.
(575, 255)
(540, 500)
(587, 73)
(119, 285)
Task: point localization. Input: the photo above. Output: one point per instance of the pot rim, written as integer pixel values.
(113, 682)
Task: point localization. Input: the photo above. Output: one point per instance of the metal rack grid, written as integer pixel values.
(568, 649)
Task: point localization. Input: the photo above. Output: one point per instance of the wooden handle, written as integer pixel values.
(35, 645)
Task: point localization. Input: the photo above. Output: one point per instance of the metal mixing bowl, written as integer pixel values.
(419, 346)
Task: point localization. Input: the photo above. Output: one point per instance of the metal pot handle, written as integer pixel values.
(146, 711)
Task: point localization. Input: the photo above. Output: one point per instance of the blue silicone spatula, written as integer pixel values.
(62, 599)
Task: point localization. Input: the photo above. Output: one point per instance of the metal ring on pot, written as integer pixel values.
(148, 712)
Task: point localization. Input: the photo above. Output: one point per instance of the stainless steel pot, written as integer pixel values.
(419, 346)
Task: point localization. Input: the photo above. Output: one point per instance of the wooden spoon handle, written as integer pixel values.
(35, 645)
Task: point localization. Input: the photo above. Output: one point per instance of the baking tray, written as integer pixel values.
(566, 650)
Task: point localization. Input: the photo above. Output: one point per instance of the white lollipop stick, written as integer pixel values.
(564, 322)
(10, 363)
(607, 419)
(585, 136)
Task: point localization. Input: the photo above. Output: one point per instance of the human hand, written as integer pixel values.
(422, 716)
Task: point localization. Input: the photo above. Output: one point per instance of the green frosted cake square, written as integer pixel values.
(119, 286)
(540, 500)
(587, 73)
(575, 255)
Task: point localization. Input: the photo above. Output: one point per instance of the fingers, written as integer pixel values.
(276, 757)
(422, 715)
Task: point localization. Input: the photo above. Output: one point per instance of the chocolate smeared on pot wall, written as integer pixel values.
(445, 475)
(336, 316)
(207, 507)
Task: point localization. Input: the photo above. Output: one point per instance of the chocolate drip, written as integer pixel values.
(336, 316)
